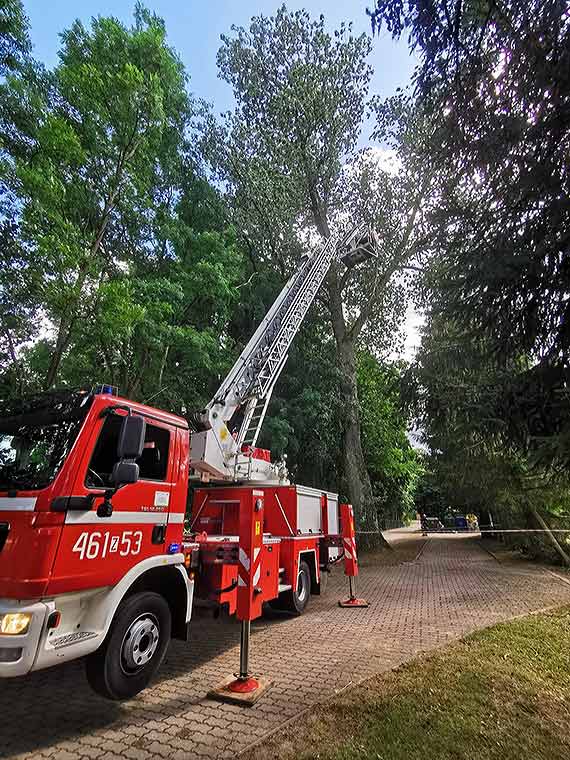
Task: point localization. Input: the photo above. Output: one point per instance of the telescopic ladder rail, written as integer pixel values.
(250, 382)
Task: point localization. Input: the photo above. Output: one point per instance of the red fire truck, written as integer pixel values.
(95, 557)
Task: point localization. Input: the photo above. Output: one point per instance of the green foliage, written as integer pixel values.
(120, 246)
(306, 411)
(115, 98)
(306, 420)
(393, 464)
(300, 98)
(476, 464)
(493, 372)
(430, 499)
(16, 305)
(498, 76)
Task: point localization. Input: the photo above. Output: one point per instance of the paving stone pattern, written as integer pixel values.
(452, 588)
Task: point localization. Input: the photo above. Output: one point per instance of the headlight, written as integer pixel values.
(15, 623)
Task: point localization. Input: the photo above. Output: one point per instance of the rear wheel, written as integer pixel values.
(133, 648)
(297, 599)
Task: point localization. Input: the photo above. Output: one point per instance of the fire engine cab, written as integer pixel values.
(114, 515)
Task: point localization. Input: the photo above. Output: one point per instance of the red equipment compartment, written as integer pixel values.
(240, 565)
(218, 578)
(291, 551)
(289, 510)
(218, 583)
(300, 517)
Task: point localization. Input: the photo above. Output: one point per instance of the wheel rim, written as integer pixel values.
(302, 586)
(140, 643)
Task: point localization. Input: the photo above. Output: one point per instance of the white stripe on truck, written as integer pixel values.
(154, 518)
(17, 503)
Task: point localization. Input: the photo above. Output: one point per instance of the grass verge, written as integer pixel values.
(502, 693)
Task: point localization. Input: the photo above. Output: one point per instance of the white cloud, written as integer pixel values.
(386, 158)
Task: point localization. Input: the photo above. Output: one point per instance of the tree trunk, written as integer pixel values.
(356, 475)
(67, 322)
(358, 483)
(163, 366)
(551, 536)
(61, 344)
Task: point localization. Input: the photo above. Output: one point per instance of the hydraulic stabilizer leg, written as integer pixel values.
(243, 688)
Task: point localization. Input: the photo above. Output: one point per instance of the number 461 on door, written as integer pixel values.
(91, 545)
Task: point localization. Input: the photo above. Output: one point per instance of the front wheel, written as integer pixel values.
(133, 648)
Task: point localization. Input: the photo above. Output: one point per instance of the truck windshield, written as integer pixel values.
(36, 435)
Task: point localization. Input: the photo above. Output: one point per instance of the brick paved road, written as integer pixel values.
(452, 588)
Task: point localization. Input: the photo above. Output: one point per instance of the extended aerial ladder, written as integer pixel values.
(242, 399)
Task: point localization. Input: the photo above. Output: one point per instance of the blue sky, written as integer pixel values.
(194, 28)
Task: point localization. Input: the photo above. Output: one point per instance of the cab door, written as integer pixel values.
(97, 551)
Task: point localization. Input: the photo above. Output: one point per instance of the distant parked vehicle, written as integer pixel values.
(449, 522)
(461, 522)
(432, 525)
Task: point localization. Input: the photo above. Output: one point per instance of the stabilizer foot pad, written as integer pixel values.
(240, 693)
(353, 603)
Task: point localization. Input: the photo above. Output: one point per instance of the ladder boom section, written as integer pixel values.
(257, 368)
(250, 382)
(236, 387)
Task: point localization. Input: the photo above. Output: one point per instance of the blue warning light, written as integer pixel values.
(109, 390)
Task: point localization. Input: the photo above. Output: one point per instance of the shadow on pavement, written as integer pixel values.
(57, 704)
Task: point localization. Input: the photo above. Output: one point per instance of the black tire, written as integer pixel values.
(297, 599)
(133, 649)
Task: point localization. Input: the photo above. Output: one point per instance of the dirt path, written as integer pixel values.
(452, 588)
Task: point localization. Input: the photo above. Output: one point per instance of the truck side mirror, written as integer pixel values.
(124, 473)
(131, 437)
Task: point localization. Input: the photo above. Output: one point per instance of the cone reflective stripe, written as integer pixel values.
(348, 540)
(350, 558)
(349, 546)
(250, 546)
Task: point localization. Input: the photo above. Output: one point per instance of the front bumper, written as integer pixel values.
(18, 653)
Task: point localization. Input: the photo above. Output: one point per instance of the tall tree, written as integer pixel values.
(288, 152)
(16, 305)
(116, 108)
(498, 73)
